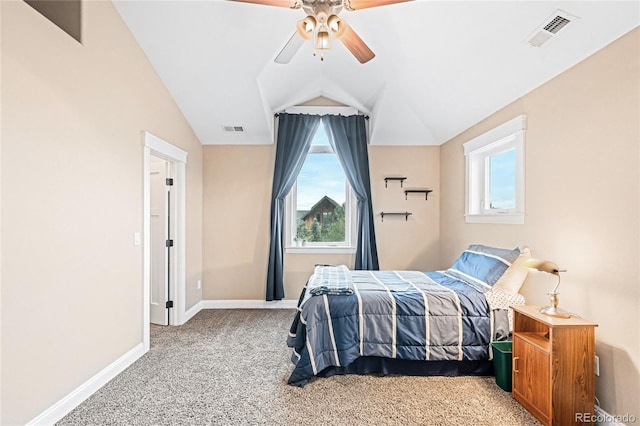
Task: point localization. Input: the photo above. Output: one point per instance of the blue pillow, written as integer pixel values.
(482, 266)
(506, 254)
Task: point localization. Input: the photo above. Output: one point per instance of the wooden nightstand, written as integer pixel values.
(553, 365)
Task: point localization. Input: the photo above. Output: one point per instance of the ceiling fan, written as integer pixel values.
(322, 23)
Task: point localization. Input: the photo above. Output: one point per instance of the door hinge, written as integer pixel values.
(169, 181)
(169, 304)
(169, 243)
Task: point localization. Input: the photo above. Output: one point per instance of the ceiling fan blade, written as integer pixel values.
(290, 49)
(356, 46)
(365, 4)
(291, 4)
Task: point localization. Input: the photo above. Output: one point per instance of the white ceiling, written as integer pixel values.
(440, 66)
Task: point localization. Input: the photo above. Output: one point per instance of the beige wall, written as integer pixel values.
(412, 244)
(582, 204)
(237, 203)
(236, 190)
(71, 173)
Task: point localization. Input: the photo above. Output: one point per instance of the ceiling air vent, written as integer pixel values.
(233, 129)
(549, 28)
(556, 24)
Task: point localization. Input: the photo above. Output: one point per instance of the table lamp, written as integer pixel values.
(553, 269)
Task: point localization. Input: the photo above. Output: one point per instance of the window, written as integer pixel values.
(495, 175)
(320, 214)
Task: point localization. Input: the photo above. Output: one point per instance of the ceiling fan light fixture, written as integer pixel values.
(306, 26)
(322, 41)
(336, 26)
(322, 23)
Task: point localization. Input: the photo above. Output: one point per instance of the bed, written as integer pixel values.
(406, 322)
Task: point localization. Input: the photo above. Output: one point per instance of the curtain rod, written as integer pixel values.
(277, 114)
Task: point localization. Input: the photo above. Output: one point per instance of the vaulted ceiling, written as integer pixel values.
(440, 66)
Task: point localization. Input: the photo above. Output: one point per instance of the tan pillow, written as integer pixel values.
(514, 276)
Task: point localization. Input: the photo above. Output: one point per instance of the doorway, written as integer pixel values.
(164, 234)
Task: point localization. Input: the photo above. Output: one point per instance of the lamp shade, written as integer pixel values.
(322, 41)
(306, 26)
(337, 27)
(543, 265)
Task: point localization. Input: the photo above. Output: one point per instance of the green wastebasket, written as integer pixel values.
(502, 364)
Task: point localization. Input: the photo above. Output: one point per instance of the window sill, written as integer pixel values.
(317, 249)
(508, 219)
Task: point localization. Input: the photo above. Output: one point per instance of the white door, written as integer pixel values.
(159, 312)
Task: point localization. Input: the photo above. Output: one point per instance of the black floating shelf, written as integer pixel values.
(418, 191)
(405, 214)
(387, 179)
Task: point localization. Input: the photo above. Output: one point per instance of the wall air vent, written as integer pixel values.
(549, 28)
(233, 129)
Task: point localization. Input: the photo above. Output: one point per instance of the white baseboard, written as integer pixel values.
(88, 388)
(238, 304)
(602, 418)
(192, 312)
(249, 304)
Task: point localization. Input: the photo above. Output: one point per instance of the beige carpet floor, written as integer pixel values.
(230, 367)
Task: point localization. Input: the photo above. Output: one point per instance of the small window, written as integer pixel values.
(320, 205)
(495, 175)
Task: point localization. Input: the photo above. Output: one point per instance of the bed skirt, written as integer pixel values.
(387, 366)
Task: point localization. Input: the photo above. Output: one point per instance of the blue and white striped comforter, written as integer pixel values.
(394, 314)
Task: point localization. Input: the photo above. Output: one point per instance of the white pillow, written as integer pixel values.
(514, 276)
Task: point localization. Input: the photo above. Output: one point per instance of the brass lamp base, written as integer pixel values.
(553, 310)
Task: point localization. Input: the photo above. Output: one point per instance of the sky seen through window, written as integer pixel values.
(320, 175)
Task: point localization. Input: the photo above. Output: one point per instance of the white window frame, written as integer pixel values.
(348, 246)
(477, 151)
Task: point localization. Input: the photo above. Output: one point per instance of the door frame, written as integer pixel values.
(157, 147)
